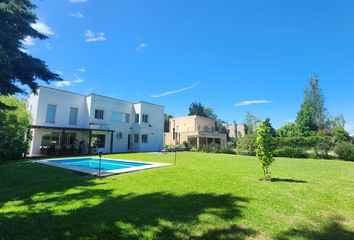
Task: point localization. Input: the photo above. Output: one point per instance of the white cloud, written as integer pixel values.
(78, 1)
(24, 50)
(79, 80)
(251, 102)
(82, 70)
(93, 37)
(28, 41)
(141, 47)
(63, 83)
(60, 72)
(77, 15)
(174, 91)
(42, 28)
(349, 128)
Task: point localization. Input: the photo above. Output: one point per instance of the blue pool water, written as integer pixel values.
(94, 163)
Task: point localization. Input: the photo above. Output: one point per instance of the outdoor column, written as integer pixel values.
(111, 141)
(89, 143)
(62, 140)
(198, 143)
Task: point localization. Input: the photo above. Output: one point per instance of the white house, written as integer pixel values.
(70, 123)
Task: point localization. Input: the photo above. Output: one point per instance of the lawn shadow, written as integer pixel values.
(333, 230)
(92, 213)
(287, 180)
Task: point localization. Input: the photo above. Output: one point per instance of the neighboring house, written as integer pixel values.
(195, 130)
(236, 130)
(70, 123)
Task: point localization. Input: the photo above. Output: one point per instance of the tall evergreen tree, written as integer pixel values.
(16, 66)
(313, 114)
(196, 108)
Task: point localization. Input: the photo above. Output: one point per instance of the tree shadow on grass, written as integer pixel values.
(98, 214)
(24, 179)
(333, 230)
(287, 180)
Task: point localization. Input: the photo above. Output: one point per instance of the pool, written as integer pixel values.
(108, 167)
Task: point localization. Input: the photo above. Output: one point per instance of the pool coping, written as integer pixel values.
(104, 173)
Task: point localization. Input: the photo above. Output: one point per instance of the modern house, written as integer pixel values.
(236, 130)
(195, 130)
(69, 123)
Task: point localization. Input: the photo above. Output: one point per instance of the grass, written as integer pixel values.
(205, 196)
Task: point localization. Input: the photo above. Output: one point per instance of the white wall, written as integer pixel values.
(86, 118)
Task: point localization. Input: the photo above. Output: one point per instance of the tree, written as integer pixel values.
(338, 121)
(196, 108)
(16, 66)
(305, 123)
(167, 118)
(209, 112)
(265, 147)
(288, 130)
(313, 113)
(13, 129)
(251, 122)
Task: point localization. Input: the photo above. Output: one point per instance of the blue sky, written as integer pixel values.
(233, 56)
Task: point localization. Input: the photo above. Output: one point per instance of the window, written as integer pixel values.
(136, 138)
(51, 109)
(145, 118)
(98, 140)
(119, 135)
(99, 114)
(120, 117)
(144, 138)
(137, 117)
(73, 116)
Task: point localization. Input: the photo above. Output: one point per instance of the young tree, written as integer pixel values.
(251, 122)
(16, 66)
(13, 129)
(265, 147)
(196, 108)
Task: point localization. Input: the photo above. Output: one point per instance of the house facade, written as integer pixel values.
(236, 130)
(70, 123)
(197, 131)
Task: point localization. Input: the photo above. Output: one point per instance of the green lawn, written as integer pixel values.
(205, 196)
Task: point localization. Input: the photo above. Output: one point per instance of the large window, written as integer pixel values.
(73, 116)
(145, 118)
(50, 139)
(98, 140)
(136, 138)
(51, 109)
(144, 138)
(120, 117)
(137, 117)
(99, 114)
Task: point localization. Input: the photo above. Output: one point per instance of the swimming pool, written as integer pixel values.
(107, 167)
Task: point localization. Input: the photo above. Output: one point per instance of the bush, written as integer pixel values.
(291, 152)
(213, 148)
(345, 151)
(247, 145)
(13, 129)
(303, 142)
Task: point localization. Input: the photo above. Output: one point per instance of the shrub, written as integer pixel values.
(345, 151)
(13, 128)
(247, 145)
(291, 152)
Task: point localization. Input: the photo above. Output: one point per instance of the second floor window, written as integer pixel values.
(145, 118)
(99, 114)
(51, 109)
(120, 117)
(73, 116)
(137, 117)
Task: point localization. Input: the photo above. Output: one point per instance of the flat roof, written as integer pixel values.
(91, 94)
